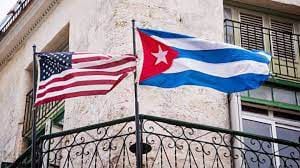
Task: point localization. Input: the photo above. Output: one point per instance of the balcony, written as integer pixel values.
(283, 46)
(44, 112)
(166, 143)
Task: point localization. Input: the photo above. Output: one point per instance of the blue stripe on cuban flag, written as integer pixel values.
(221, 66)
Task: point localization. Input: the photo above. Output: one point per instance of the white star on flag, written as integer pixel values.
(160, 56)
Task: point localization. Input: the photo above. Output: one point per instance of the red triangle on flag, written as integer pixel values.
(158, 57)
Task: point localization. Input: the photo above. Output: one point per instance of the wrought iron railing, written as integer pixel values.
(43, 112)
(166, 143)
(283, 46)
(13, 16)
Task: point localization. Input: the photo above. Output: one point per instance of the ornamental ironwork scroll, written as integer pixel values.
(167, 143)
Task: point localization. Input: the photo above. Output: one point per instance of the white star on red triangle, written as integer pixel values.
(160, 56)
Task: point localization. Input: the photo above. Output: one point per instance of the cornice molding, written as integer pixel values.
(274, 8)
(26, 33)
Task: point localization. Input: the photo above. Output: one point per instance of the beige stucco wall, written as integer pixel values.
(13, 80)
(105, 26)
(114, 36)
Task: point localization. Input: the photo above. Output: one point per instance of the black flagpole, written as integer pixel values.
(138, 151)
(33, 131)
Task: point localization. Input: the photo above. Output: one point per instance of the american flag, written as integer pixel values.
(66, 74)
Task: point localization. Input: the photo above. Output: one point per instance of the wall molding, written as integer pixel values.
(263, 9)
(36, 23)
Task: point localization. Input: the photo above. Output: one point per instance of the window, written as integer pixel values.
(274, 94)
(271, 110)
(285, 96)
(273, 124)
(52, 110)
(283, 41)
(275, 35)
(59, 43)
(229, 29)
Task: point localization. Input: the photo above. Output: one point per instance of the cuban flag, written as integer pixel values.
(172, 60)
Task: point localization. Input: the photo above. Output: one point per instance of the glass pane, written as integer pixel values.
(263, 92)
(288, 134)
(298, 98)
(258, 128)
(288, 151)
(245, 93)
(227, 13)
(285, 96)
(254, 110)
(257, 153)
(228, 26)
(287, 116)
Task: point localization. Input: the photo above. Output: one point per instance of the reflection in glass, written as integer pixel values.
(298, 97)
(288, 151)
(245, 93)
(258, 153)
(286, 96)
(263, 92)
(229, 26)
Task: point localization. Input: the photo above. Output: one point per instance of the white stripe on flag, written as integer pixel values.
(75, 89)
(86, 55)
(78, 79)
(70, 71)
(119, 67)
(99, 63)
(96, 62)
(193, 43)
(224, 70)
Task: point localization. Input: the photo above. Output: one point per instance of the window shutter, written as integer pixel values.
(282, 39)
(252, 32)
(283, 49)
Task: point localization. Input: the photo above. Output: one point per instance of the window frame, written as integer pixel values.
(270, 119)
(271, 107)
(273, 122)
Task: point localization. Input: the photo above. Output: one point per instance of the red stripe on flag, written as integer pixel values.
(88, 73)
(94, 58)
(79, 83)
(80, 53)
(79, 93)
(69, 95)
(112, 64)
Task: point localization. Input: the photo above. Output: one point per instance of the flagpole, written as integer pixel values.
(33, 131)
(138, 151)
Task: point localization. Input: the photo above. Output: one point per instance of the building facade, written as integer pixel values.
(105, 27)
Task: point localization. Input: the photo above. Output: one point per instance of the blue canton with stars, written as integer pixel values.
(54, 63)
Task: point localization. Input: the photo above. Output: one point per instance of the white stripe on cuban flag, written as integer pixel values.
(224, 67)
(221, 69)
(193, 43)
